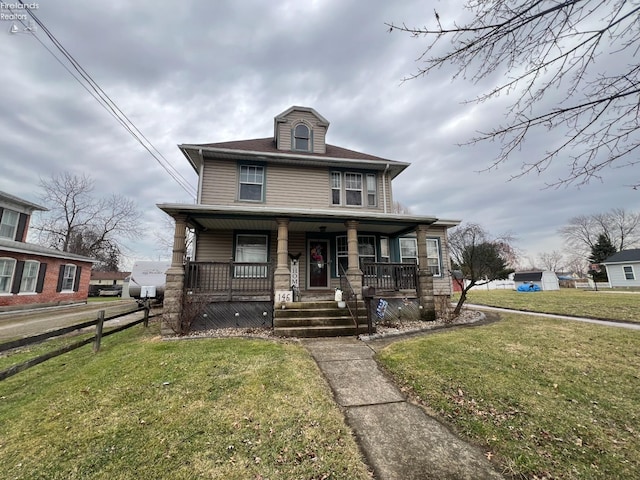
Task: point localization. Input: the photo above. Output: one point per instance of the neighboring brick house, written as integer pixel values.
(31, 275)
(312, 211)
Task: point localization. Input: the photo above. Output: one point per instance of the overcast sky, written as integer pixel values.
(199, 72)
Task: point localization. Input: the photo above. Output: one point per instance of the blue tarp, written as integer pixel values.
(528, 287)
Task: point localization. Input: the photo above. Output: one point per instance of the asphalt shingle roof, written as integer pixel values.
(631, 255)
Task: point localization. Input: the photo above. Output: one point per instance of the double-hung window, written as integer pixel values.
(7, 266)
(433, 256)
(9, 224)
(353, 188)
(68, 278)
(366, 251)
(301, 137)
(251, 249)
(628, 272)
(251, 186)
(29, 276)
(408, 250)
(336, 188)
(371, 190)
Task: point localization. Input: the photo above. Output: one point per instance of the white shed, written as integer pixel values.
(546, 280)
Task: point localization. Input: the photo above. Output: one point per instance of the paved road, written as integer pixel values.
(26, 323)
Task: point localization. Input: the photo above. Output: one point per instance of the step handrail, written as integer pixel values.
(349, 295)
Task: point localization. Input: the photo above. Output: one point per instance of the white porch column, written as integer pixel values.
(354, 274)
(282, 274)
(425, 277)
(174, 288)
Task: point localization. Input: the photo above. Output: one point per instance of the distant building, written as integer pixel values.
(623, 268)
(32, 275)
(546, 280)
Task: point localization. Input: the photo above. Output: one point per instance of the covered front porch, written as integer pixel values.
(282, 256)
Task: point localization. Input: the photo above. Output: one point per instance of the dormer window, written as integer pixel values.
(301, 137)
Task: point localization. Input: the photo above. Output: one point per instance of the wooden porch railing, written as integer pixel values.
(390, 276)
(229, 279)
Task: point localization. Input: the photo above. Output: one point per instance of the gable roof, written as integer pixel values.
(12, 199)
(631, 255)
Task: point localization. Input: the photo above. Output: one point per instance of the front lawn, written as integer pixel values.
(548, 399)
(566, 301)
(148, 409)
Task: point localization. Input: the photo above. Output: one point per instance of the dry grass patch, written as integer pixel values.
(549, 399)
(222, 408)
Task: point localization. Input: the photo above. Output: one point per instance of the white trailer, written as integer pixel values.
(148, 279)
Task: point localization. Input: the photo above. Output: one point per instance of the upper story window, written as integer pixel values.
(371, 190)
(301, 137)
(7, 266)
(29, 276)
(336, 188)
(9, 224)
(353, 188)
(251, 187)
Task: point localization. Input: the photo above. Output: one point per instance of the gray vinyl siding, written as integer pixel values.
(617, 278)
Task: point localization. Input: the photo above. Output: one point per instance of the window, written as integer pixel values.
(384, 249)
(29, 276)
(301, 137)
(353, 188)
(336, 188)
(251, 183)
(251, 249)
(628, 272)
(371, 190)
(68, 278)
(408, 250)
(9, 224)
(433, 256)
(366, 251)
(7, 266)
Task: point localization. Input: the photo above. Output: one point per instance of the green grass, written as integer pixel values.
(550, 399)
(147, 409)
(603, 305)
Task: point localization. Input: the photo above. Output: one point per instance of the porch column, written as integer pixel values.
(425, 277)
(354, 274)
(174, 288)
(282, 274)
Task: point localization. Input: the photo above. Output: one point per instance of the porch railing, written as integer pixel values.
(230, 279)
(349, 296)
(390, 276)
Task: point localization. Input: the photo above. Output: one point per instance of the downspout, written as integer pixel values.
(200, 175)
(384, 187)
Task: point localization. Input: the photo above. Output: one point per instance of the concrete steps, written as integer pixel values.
(317, 319)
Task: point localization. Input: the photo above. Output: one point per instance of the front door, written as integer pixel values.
(318, 255)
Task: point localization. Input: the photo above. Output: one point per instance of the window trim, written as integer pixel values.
(415, 243)
(65, 278)
(334, 174)
(626, 273)
(374, 191)
(10, 276)
(241, 166)
(347, 190)
(438, 256)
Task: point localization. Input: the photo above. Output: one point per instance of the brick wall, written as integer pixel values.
(49, 294)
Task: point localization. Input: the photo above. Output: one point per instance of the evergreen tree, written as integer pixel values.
(602, 250)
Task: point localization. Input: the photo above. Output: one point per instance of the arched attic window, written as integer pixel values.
(301, 137)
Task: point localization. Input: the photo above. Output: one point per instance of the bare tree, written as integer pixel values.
(553, 261)
(480, 257)
(584, 53)
(400, 208)
(164, 238)
(620, 226)
(78, 223)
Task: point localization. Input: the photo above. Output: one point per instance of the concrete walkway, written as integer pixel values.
(399, 440)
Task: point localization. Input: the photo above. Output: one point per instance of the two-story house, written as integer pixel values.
(306, 214)
(32, 275)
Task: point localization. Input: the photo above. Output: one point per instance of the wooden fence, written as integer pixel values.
(95, 339)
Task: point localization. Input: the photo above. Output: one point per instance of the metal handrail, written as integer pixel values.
(346, 287)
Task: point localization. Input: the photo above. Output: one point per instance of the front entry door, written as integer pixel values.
(318, 255)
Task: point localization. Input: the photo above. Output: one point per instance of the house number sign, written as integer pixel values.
(284, 296)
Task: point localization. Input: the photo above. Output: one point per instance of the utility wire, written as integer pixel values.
(108, 104)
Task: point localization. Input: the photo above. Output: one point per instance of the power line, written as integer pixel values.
(108, 104)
